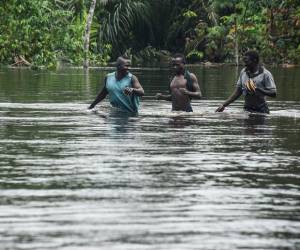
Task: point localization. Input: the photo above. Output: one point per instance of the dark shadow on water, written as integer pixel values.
(120, 120)
(181, 122)
(258, 132)
(256, 124)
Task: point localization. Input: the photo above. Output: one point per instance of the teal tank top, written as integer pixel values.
(117, 97)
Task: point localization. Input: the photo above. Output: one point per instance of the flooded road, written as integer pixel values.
(71, 179)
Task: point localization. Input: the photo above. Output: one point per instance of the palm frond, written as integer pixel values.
(124, 18)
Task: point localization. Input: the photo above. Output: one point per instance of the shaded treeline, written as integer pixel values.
(43, 32)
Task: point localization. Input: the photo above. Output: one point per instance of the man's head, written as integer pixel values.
(123, 64)
(178, 63)
(251, 59)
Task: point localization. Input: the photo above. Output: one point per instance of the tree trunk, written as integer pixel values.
(87, 33)
(236, 43)
(271, 30)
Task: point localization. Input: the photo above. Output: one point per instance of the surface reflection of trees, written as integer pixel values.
(287, 130)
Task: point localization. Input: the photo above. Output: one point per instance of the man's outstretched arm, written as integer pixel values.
(102, 94)
(235, 95)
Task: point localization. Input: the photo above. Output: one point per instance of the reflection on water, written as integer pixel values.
(72, 179)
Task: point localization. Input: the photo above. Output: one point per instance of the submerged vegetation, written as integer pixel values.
(45, 32)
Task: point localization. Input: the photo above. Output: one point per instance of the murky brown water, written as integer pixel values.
(76, 180)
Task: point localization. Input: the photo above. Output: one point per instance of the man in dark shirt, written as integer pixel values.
(255, 83)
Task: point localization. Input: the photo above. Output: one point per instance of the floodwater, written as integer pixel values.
(70, 179)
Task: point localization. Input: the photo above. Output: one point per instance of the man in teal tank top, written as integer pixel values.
(123, 88)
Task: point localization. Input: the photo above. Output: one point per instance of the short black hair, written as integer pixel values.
(178, 55)
(253, 54)
(120, 59)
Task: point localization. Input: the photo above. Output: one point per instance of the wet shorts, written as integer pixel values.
(188, 109)
(263, 108)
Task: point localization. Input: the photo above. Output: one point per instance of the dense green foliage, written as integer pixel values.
(41, 31)
(47, 31)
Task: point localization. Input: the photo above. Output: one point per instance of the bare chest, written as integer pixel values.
(178, 82)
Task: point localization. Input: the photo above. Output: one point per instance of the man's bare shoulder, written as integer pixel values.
(193, 76)
(134, 77)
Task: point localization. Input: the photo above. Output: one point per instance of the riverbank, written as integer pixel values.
(144, 67)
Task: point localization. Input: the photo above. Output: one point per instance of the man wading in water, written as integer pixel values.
(123, 88)
(255, 83)
(183, 87)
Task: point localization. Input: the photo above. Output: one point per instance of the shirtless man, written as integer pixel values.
(255, 83)
(184, 86)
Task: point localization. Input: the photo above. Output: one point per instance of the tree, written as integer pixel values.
(87, 33)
